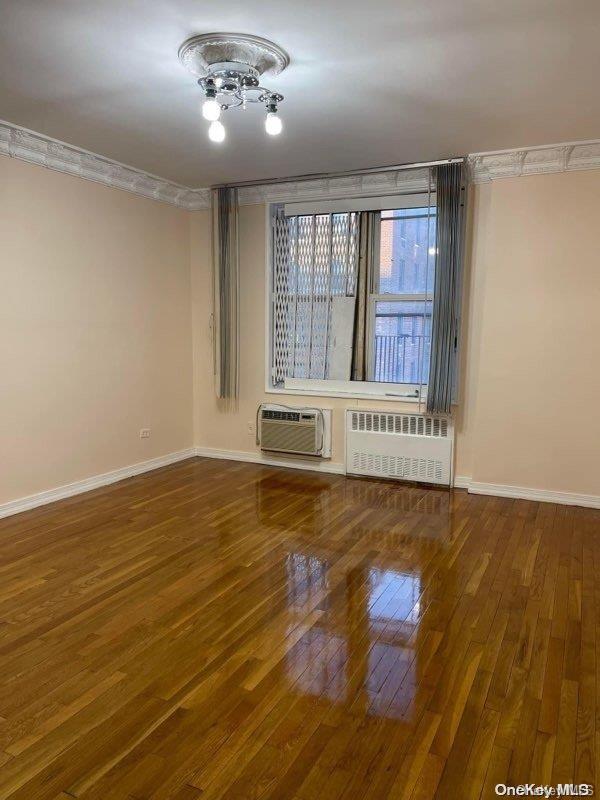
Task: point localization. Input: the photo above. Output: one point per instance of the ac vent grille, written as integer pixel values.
(421, 469)
(401, 424)
(289, 437)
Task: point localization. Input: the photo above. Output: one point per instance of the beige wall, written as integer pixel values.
(95, 329)
(95, 323)
(529, 382)
(537, 393)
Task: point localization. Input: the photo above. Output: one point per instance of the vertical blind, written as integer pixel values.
(226, 291)
(451, 180)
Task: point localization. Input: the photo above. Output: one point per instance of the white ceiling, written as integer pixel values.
(369, 84)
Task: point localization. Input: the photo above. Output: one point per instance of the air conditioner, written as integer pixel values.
(298, 431)
(413, 447)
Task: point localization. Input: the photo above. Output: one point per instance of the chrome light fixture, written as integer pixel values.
(229, 67)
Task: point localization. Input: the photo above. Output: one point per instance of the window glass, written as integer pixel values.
(402, 346)
(407, 246)
(405, 268)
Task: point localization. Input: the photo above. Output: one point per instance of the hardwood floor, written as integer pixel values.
(225, 630)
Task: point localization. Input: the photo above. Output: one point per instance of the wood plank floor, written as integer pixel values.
(225, 630)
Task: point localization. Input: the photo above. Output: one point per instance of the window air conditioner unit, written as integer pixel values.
(297, 431)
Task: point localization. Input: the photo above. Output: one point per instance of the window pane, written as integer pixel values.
(407, 246)
(314, 269)
(402, 342)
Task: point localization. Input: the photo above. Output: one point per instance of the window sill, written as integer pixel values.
(392, 395)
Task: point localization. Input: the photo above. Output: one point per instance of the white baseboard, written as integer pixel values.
(525, 493)
(95, 482)
(461, 482)
(272, 461)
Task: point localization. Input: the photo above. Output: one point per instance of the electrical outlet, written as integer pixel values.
(144, 433)
(250, 427)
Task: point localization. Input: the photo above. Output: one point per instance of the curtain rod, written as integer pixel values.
(314, 176)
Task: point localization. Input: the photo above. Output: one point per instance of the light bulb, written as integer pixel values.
(216, 131)
(211, 109)
(273, 124)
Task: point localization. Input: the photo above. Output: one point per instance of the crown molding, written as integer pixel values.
(21, 143)
(26, 145)
(566, 157)
(483, 167)
(369, 185)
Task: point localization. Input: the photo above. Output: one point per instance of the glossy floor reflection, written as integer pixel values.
(224, 630)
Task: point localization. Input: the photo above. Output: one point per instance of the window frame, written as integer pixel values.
(375, 296)
(349, 390)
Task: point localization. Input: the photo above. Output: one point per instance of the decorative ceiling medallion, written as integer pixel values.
(199, 52)
(228, 67)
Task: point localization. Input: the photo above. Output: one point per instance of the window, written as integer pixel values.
(327, 270)
(401, 297)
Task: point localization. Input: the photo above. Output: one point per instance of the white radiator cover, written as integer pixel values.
(412, 447)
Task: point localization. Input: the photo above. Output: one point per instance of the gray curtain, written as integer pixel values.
(365, 260)
(451, 189)
(226, 291)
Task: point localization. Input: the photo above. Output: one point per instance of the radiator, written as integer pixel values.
(412, 447)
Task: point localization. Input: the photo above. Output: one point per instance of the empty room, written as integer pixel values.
(299, 400)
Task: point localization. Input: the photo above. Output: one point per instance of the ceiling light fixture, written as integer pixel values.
(228, 67)
(211, 109)
(273, 123)
(216, 131)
